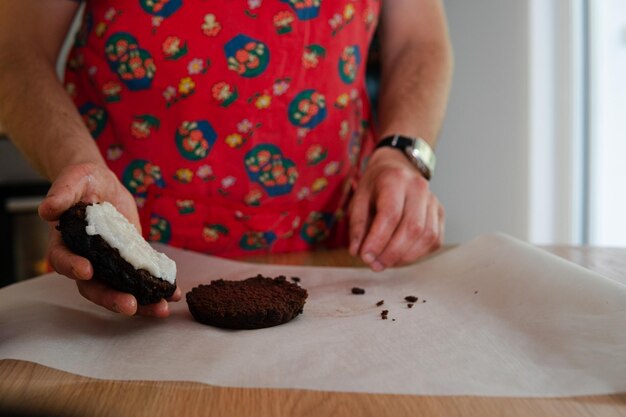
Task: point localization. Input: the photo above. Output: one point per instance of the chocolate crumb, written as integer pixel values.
(423, 301)
(383, 314)
(357, 290)
(410, 298)
(393, 319)
(410, 305)
(295, 279)
(475, 292)
(381, 302)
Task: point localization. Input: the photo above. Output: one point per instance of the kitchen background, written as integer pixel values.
(532, 144)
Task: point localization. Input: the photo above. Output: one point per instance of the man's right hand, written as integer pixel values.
(92, 182)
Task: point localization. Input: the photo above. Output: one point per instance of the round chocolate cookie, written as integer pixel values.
(253, 303)
(108, 265)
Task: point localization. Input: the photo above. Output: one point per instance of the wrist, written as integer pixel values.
(415, 149)
(88, 158)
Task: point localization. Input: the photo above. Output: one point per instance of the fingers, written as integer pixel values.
(390, 205)
(415, 228)
(98, 293)
(159, 310)
(176, 296)
(418, 232)
(123, 303)
(431, 238)
(65, 262)
(359, 219)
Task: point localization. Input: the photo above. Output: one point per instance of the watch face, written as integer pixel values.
(414, 157)
(417, 150)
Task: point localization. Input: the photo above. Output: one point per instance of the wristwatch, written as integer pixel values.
(416, 149)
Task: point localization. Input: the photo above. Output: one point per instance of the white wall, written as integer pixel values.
(608, 123)
(509, 157)
(482, 155)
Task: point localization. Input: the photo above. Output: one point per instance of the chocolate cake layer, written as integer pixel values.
(108, 266)
(253, 303)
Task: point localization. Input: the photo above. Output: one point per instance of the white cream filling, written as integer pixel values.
(104, 220)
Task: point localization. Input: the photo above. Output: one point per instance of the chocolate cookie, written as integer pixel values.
(253, 303)
(108, 264)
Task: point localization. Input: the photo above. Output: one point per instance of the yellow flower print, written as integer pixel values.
(70, 88)
(184, 175)
(186, 86)
(211, 27)
(342, 100)
(263, 101)
(319, 185)
(234, 140)
(348, 11)
(101, 27)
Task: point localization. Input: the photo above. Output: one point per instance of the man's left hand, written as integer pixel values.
(394, 217)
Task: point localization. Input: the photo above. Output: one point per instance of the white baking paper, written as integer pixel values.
(501, 318)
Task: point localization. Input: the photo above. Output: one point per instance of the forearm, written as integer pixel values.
(34, 108)
(414, 92)
(416, 67)
(39, 115)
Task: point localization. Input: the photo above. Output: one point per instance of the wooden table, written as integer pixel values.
(37, 387)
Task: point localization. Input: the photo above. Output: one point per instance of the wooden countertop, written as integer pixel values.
(40, 389)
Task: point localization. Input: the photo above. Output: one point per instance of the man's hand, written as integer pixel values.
(394, 217)
(92, 182)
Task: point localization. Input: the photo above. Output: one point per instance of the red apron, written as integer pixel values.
(239, 126)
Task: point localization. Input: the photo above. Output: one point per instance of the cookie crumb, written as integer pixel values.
(383, 314)
(410, 298)
(393, 319)
(295, 279)
(423, 301)
(357, 290)
(410, 305)
(381, 302)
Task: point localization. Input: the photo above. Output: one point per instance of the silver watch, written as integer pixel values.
(417, 150)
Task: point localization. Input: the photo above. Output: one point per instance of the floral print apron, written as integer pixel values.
(238, 126)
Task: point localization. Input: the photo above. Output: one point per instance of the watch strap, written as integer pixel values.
(417, 150)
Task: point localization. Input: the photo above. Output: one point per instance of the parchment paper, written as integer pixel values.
(501, 318)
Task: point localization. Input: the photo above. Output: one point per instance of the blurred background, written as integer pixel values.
(532, 144)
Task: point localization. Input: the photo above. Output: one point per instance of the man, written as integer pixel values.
(232, 128)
